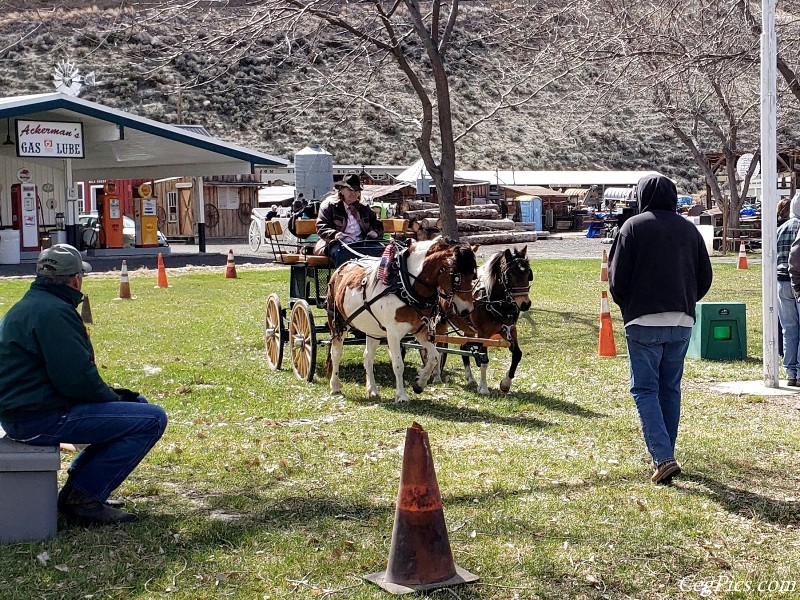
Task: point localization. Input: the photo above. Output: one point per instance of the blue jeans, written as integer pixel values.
(119, 435)
(656, 357)
(789, 315)
(341, 253)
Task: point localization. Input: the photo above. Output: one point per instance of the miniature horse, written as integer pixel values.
(501, 292)
(400, 295)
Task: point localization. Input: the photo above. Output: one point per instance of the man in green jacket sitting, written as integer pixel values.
(51, 391)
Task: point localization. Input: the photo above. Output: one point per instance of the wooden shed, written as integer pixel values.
(228, 202)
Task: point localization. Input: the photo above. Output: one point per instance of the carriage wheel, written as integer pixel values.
(302, 341)
(254, 236)
(274, 332)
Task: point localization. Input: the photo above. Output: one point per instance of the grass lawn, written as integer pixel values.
(266, 487)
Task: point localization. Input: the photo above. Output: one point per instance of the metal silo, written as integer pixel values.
(313, 168)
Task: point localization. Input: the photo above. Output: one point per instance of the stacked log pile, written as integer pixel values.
(479, 224)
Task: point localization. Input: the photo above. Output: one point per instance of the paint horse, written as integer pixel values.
(501, 293)
(402, 294)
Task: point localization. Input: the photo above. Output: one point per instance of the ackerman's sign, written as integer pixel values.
(50, 139)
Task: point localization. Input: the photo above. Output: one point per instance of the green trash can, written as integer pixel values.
(719, 332)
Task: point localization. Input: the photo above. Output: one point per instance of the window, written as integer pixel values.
(81, 202)
(172, 207)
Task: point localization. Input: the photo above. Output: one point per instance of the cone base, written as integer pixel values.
(461, 576)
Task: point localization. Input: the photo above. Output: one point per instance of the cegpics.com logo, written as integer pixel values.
(723, 584)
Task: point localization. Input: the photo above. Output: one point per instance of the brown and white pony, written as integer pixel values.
(501, 292)
(406, 299)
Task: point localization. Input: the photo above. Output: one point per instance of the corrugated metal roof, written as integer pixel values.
(533, 190)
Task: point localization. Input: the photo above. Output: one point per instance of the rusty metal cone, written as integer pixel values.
(420, 557)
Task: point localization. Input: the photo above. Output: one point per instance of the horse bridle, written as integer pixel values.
(496, 307)
(512, 291)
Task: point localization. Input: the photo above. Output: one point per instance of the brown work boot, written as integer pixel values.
(664, 472)
(79, 507)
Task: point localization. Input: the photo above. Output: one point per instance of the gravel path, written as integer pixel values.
(561, 246)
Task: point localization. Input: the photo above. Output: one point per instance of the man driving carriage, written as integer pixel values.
(349, 227)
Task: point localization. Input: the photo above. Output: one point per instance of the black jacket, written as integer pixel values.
(332, 219)
(658, 262)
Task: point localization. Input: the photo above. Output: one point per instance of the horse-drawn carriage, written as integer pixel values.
(411, 297)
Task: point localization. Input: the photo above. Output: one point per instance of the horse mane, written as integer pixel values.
(489, 273)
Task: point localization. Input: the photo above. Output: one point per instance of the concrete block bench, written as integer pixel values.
(28, 491)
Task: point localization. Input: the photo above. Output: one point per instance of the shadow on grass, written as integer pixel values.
(462, 414)
(745, 503)
(384, 377)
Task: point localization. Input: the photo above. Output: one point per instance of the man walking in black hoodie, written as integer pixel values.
(658, 270)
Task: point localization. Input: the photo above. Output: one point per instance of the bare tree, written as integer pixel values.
(696, 65)
(422, 42)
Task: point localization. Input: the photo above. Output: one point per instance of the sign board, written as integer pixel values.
(743, 164)
(49, 139)
(24, 175)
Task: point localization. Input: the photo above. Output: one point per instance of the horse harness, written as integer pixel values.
(401, 285)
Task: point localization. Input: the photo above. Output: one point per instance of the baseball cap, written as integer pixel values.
(61, 259)
(351, 180)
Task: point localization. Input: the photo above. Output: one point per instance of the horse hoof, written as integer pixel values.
(374, 396)
(484, 391)
(505, 386)
(400, 399)
(417, 388)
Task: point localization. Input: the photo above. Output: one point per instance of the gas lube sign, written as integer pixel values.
(49, 139)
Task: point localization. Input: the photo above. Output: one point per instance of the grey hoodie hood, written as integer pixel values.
(656, 192)
(795, 206)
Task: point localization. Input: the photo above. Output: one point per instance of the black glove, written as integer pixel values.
(126, 395)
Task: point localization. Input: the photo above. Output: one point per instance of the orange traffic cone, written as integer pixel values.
(420, 557)
(86, 310)
(230, 268)
(742, 257)
(162, 273)
(604, 267)
(606, 346)
(124, 284)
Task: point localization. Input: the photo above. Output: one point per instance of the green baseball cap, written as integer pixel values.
(61, 259)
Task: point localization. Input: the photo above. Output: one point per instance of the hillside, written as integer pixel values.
(252, 102)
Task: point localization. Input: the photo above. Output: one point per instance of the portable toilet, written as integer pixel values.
(530, 208)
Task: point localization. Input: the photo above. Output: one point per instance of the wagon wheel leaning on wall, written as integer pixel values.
(244, 211)
(161, 215)
(212, 216)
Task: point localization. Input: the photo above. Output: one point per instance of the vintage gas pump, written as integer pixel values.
(109, 212)
(24, 217)
(145, 216)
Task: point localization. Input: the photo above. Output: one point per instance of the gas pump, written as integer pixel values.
(24, 197)
(109, 212)
(145, 216)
